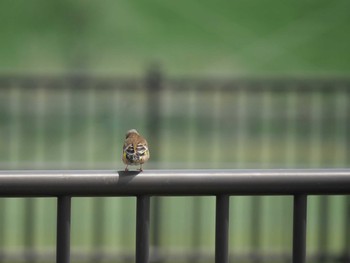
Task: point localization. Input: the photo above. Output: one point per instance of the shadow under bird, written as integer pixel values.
(135, 149)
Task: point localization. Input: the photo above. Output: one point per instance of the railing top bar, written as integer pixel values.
(174, 182)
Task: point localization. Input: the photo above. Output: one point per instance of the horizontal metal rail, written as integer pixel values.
(222, 183)
(175, 182)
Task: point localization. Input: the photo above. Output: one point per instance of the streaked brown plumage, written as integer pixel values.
(135, 149)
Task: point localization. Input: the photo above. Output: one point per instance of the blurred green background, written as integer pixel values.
(196, 37)
(244, 84)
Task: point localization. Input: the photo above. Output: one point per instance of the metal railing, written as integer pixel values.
(220, 183)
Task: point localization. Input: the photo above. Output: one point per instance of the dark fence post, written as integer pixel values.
(299, 228)
(153, 87)
(222, 228)
(63, 229)
(142, 229)
(153, 121)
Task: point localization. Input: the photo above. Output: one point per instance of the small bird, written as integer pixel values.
(135, 149)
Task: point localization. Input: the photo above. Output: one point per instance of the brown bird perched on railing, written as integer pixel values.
(135, 149)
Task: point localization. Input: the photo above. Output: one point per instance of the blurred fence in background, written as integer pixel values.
(79, 122)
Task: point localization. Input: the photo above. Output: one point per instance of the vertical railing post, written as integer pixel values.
(222, 228)
(63, 229)
(299, 228)
(142, 229)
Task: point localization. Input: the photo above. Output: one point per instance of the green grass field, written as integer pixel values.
(206, 37)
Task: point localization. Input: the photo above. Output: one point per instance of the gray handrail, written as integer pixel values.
(65, 184)
(174, 182)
